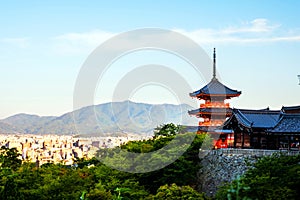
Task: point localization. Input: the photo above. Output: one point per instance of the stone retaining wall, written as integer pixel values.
(224, 165)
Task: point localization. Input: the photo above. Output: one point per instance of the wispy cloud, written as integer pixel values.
(256, 31)
(259, 30)
(259, 25)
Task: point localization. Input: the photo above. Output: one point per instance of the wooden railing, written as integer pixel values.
(214, 105)
(212, 123)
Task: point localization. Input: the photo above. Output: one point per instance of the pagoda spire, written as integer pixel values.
(214, 64)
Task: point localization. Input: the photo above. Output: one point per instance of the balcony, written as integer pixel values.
(214, 105)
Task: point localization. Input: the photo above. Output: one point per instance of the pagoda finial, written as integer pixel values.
(214, 65)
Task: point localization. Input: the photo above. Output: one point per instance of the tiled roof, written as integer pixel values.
(288, 123)
(273, 121)
(214, 87)
(256, 118)
(290, 109)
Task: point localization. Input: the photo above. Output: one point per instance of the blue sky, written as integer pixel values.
(44, 44)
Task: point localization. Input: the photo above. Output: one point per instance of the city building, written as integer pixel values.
(64, 149)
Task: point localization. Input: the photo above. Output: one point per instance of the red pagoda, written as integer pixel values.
(214, 108)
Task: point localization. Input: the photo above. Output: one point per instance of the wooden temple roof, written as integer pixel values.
(290, 109)
(255, 118)
(272, 121)
(288, 123)
(215, 88)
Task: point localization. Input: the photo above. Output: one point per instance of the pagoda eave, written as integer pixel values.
(210, 96)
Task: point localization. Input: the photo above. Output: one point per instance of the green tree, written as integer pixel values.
(109, 179)
(174, 192)
(9, 158)
(97, 181)
(271, 177)
(99, 193)
(167, 130)
(182, 172)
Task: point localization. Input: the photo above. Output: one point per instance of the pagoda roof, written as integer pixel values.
(210, 110)
(255, 118)
(215, 88)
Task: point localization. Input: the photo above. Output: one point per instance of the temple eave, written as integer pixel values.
(214, 96)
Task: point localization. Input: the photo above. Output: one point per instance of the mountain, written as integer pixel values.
(26, 123)
(102, 119)
(8, 128)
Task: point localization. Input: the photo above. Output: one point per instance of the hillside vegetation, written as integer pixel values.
(91, 179)
(274, 177)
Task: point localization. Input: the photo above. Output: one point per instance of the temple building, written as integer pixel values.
(214, 108)
(265, 129)
(244, 128)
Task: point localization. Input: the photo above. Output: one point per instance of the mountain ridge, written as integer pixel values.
(101, 119)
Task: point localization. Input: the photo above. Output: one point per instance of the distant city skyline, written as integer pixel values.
(44, 44)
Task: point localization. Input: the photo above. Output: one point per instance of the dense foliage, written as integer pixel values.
(174, 192)
(91, 179)
(272, 177)
(167, 130)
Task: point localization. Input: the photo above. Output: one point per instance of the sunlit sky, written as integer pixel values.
(43, 45)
